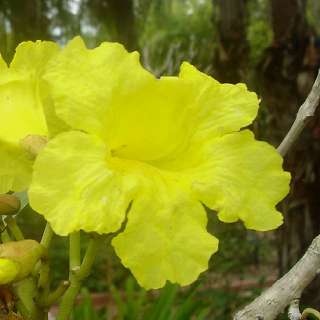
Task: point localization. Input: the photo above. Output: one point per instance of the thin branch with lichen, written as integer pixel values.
(275, 299)
(306, 111)
(290, 287)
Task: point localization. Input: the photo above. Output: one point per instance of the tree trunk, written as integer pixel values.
(230, 59)
(117, 16)
(28, 21)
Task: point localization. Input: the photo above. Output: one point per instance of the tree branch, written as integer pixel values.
(294, 310)
(273, 301)
(289, 288)
(306, 111)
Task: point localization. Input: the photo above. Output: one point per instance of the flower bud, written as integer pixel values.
(8, 271)
(9, 204)
(33, 144)
(25, 254)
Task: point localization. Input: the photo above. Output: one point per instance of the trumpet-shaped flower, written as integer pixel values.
(156, 150)
(25, 109)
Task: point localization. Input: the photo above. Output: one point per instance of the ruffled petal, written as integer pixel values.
(107, 92)
(21, 106)
(73, 188)
(77, 184)
(221, 107)
(21, 111)
(31, 60)
(241, 178)
(15, 168)
(165, 239)
(25, 110)
(32, 57)
(84, 82)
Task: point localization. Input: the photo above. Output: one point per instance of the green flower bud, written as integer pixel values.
(8, 271)
(25, 254)
(9, 204)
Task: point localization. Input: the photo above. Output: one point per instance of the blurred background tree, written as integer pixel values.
(272, 45)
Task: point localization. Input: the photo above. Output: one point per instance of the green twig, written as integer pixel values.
(76, 277)
(25, 291)
(74, 251)
(23, 310)
(43, 282)
(58, 293)
(43, 267)
(310, 312)
(47, 236)
(5, 237)
(14, 228)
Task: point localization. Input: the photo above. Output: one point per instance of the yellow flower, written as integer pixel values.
(25, 110)
(156, 149)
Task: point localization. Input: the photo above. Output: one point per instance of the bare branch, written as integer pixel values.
(274, 300)
(306, 111)
(288, 289)
(294, 310)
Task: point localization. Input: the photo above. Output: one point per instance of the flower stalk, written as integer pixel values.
(47, 236)
(77, 275)
(14, 228)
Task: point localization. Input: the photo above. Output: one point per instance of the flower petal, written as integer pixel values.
(243, 179)
(32, 57)
(25, 110)
(165, 239)
(15, 168)
(222, 107)
(85, 81)
(21, 106)
(73, 188)
(77, 184)
(107, 92)
(21, 111)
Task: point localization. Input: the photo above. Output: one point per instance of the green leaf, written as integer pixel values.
(310, 312)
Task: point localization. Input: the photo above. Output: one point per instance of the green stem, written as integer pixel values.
(43, 266)
(76, 277)
(74, 251)
(23, 310)
(47, 236)
(43, 281)
(14, 229)
(5, 237)
(25, 291)
(56, 294)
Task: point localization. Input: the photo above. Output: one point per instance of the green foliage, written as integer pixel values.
(135, 304)
(175, 31)
(169, 303)
(85, 310)
(313, 13)
(259, 32)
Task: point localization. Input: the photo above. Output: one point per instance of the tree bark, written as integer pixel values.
(117, 16)
(28, 21)
(231, 57)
